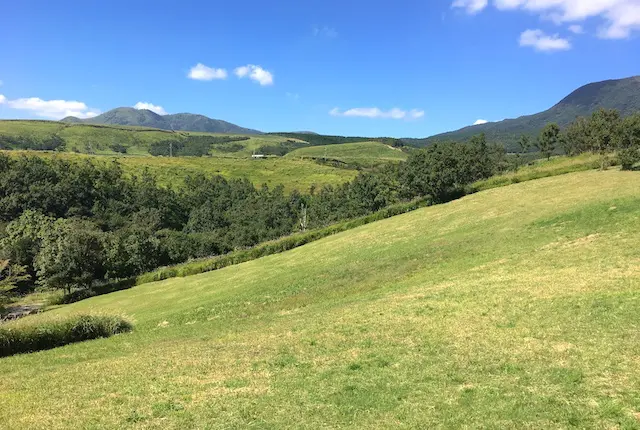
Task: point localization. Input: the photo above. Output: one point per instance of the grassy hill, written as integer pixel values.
(177, 122)
(292, 174)
(620, 94)
(105, 139)
(361, 153)
(511, 308)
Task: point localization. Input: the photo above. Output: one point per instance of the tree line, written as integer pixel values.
(603, 133)
(191, 145)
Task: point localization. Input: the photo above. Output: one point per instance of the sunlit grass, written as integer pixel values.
(515, 307)
(292, 174)
(541, 169)
(361, 153)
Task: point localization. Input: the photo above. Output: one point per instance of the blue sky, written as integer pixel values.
(402, 68)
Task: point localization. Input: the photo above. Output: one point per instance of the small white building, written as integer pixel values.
(258, 156)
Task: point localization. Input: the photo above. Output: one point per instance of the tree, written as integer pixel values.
(524, 142)
(604, 128)
(71, 255)
(548, 139)
(576, 137)
(24, 238)
(10, 276)
(629, 144)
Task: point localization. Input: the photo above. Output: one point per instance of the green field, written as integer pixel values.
(98, 139)
(361, 153)
(515, 307)
(292, 174)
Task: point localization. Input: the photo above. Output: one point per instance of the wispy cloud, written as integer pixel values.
(480, 122)
(538, 40)
(200, 72)
(470, 6)
(150, 106)
(325, 31)
(576, 29)
(52, 109)
(374, 112)
(293, 96)
(255, 73)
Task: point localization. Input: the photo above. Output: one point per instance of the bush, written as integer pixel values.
(629, 157)
(21, 338)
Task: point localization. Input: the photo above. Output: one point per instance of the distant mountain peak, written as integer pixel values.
(620, 94)
(178, 122)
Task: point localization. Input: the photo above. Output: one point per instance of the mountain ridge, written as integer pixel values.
(175, 122)
(621, 94)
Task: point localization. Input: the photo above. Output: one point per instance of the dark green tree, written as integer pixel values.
(71, 255)
(548, 139)
(604, 133)
(524, 143)
(629, 144)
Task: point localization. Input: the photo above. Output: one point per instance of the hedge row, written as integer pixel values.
(25, 337)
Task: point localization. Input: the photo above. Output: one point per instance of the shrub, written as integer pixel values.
(21, 338)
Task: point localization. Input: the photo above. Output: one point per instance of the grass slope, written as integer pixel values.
(515, 307)
(361, 153)
(292, 174)
(99, 138)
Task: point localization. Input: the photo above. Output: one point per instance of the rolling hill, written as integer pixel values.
(111, 139)
(620, 94)
(292, 174)
(362, 153)
(178, 122)
(515, 307)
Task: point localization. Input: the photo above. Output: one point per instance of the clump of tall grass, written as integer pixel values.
(28, 337)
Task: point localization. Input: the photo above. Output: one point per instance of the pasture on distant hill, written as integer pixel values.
(290, 173)
(364, 154)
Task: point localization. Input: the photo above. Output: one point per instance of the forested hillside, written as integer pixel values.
(175, 122)
(622, 95)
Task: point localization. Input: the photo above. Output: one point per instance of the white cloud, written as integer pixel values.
(200, 72)
(149, 106)
(538, 40)
(576, 29)
(416, 113)
(325, 31)
(255, 73)
(619, 17)
(53, 109)
(471, 6)
(3, 99)
(374, 112)
(480, 122)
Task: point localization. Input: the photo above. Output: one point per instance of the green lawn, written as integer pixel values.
(515, 307)
(541, 169)
(361, 153)
(292, 174)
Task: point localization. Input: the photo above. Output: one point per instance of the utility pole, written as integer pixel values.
(170, 149)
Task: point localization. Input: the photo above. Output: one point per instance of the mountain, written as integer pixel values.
(193, 122)
(178, 122)
(620, 94)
